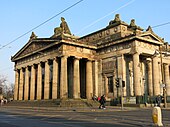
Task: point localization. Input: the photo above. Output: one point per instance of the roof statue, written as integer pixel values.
(62, 29)
(134, 26)
(149, 29)
(117, 19)
(132, 23)
(33, 36)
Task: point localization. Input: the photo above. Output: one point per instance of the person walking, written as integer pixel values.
(102, 102)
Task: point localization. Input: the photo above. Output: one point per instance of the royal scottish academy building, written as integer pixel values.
(120, 59)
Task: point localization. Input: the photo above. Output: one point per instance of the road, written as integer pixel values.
(78, 117)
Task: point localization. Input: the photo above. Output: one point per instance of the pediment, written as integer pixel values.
(151, 37)
(31, 47)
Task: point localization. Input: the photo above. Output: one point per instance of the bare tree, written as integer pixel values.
(6, 88)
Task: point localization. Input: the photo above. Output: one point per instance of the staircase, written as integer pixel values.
(55, 103)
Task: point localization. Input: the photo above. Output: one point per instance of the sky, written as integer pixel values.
(20, 16)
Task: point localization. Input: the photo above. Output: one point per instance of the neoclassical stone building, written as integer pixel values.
(64, 66)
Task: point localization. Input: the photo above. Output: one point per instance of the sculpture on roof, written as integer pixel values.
(33, 36)
(62, 29)
(149, 29)
(64, 26)
(117, 19)
(134, 26)
(132, 23)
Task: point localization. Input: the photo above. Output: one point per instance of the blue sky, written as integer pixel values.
(20, 16)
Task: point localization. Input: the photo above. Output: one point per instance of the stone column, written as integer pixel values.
(96, 78)
(63, 78)
(39, 82)
(150, 84)
(100, 78)
(32, 89)
(76, 80)
(21, 85)
(167, 80)
(47, 80)
(55, 79)
(106, 85)
(26, 84)
(89, 82)
(16, 84)
(155, 70)
(136, 74)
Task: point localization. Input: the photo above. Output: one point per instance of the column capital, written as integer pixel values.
(166, 64)
(55, 58)
(77, 57)
(148, 60)
(134, 50)
(63, 56)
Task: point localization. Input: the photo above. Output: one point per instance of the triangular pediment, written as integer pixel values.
(151, 37)
(31, 47)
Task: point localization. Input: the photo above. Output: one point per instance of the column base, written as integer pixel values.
(168, 99)
(139, 100)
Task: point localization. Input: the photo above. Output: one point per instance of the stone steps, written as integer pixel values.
(55, 103)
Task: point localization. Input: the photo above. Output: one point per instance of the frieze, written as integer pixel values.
(115, 48)
(70, 48)
(146, 45)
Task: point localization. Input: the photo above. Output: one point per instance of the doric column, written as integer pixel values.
(89, 83)
(16, 84)
(39, 82)
(150, 84)
(76, 80)
(47, 80)
(155, 70)
(63, 78)
(167, 80)
(106, 85)
(32, 89)
(96, 78)
(100, 78)
(136, 74)
(21, 85)
(26, 84)
(55, 79)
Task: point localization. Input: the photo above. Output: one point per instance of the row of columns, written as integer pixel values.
(153, 76)
(23, 77)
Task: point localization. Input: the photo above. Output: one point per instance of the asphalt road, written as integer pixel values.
(78, 117)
